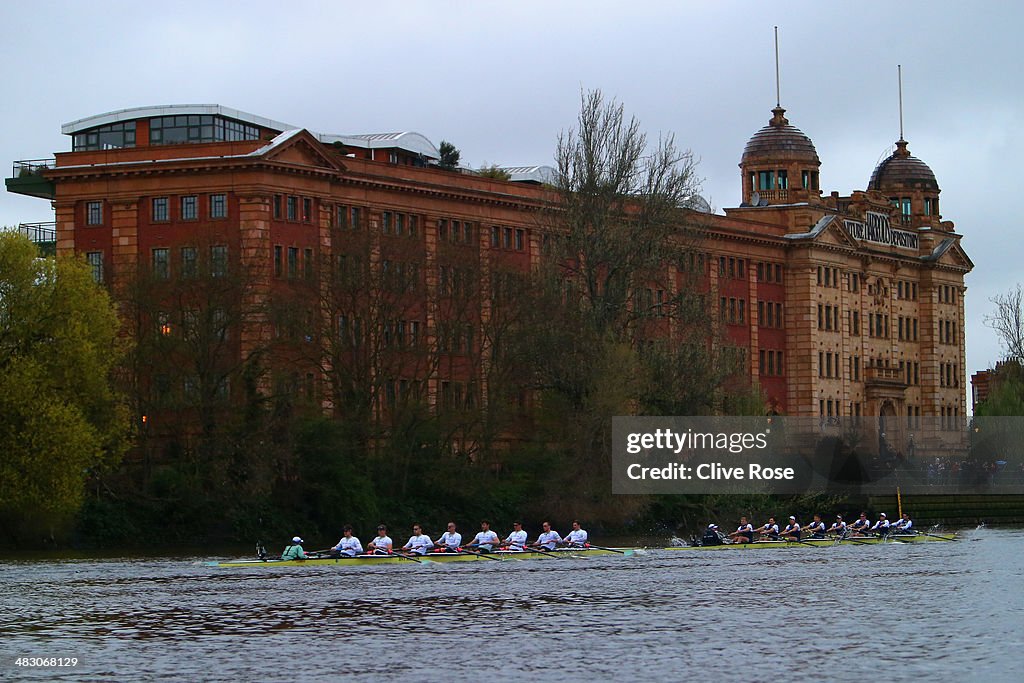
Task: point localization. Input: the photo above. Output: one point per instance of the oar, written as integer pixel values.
(627, 553)
(851, 539)
(478, 554)
(406, 557)
(797, 540)
(535, 549)
(944, 538)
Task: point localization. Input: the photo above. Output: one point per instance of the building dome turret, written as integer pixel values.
(901, 171)
(779, 140)
(779, 164)
(909, 185)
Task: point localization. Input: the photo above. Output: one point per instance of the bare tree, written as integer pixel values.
(1008, 322)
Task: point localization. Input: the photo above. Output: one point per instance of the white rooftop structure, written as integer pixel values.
(408, 140)
(171, 110)
(534, 174)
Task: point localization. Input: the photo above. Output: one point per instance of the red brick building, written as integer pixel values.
(845, 305)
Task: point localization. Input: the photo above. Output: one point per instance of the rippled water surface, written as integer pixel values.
(931, 611)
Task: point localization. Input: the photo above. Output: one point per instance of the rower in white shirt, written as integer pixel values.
(548, 540)
(577, 538)
(419, 543)
(815, 529)
(450, 541)
(770, 530)
(516, 540)
(861, 525)
(904, 525)
(881, 527)
(382, 544)
(744, 532)
(349, 545)
(792, 530)
(838, 527)
(486, 540)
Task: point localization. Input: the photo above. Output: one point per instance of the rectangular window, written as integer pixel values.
(766, 180)
(189, 208)
(783, 180)
(307, 210)
(385, 222)
(188, 262)
(161, 264)
(94, 213)
(293, 208)
(341, 216)
(356, 218)
(218, 261)
(760, 313)
(507, 238)
(279, 260)
(277, 206)
(95, 261)
(414, 226)
(160, 208)
(218, 206)
(293, 262)
(520, 239)
(399, 224)
(495, 236)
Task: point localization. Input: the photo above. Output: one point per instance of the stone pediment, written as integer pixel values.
(950, 253)
(300, 148)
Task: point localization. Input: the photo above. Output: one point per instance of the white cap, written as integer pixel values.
(881, 514)
(792, 518)
(296, 539)
(712, 526)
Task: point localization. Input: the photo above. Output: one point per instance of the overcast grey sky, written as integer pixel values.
(500, 80)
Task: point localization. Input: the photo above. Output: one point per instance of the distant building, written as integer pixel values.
(840, 305)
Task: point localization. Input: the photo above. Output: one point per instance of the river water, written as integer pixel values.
(931, 611)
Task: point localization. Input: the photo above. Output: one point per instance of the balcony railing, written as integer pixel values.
(28, 178)
(29, 167)
(883, 375)
(40, 233)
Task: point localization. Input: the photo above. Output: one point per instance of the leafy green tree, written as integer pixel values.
(494, 171)
(449, 156)
(60, 417)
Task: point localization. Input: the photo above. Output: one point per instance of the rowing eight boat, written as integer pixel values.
(367, 560)
(848, 540)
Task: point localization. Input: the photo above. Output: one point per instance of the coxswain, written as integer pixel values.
(294, 551)
(881, 527)
(904, 525)
(770, 531)
(792, 530)
(516, 540)
(450, 541)
(838, 527)
(419, 543)
(349, 545)
(711, 536)
(744, 532)
(862, 525)
(548, 539)
(815, 529)
(486, 540)
(382, 544)
(577, 538)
